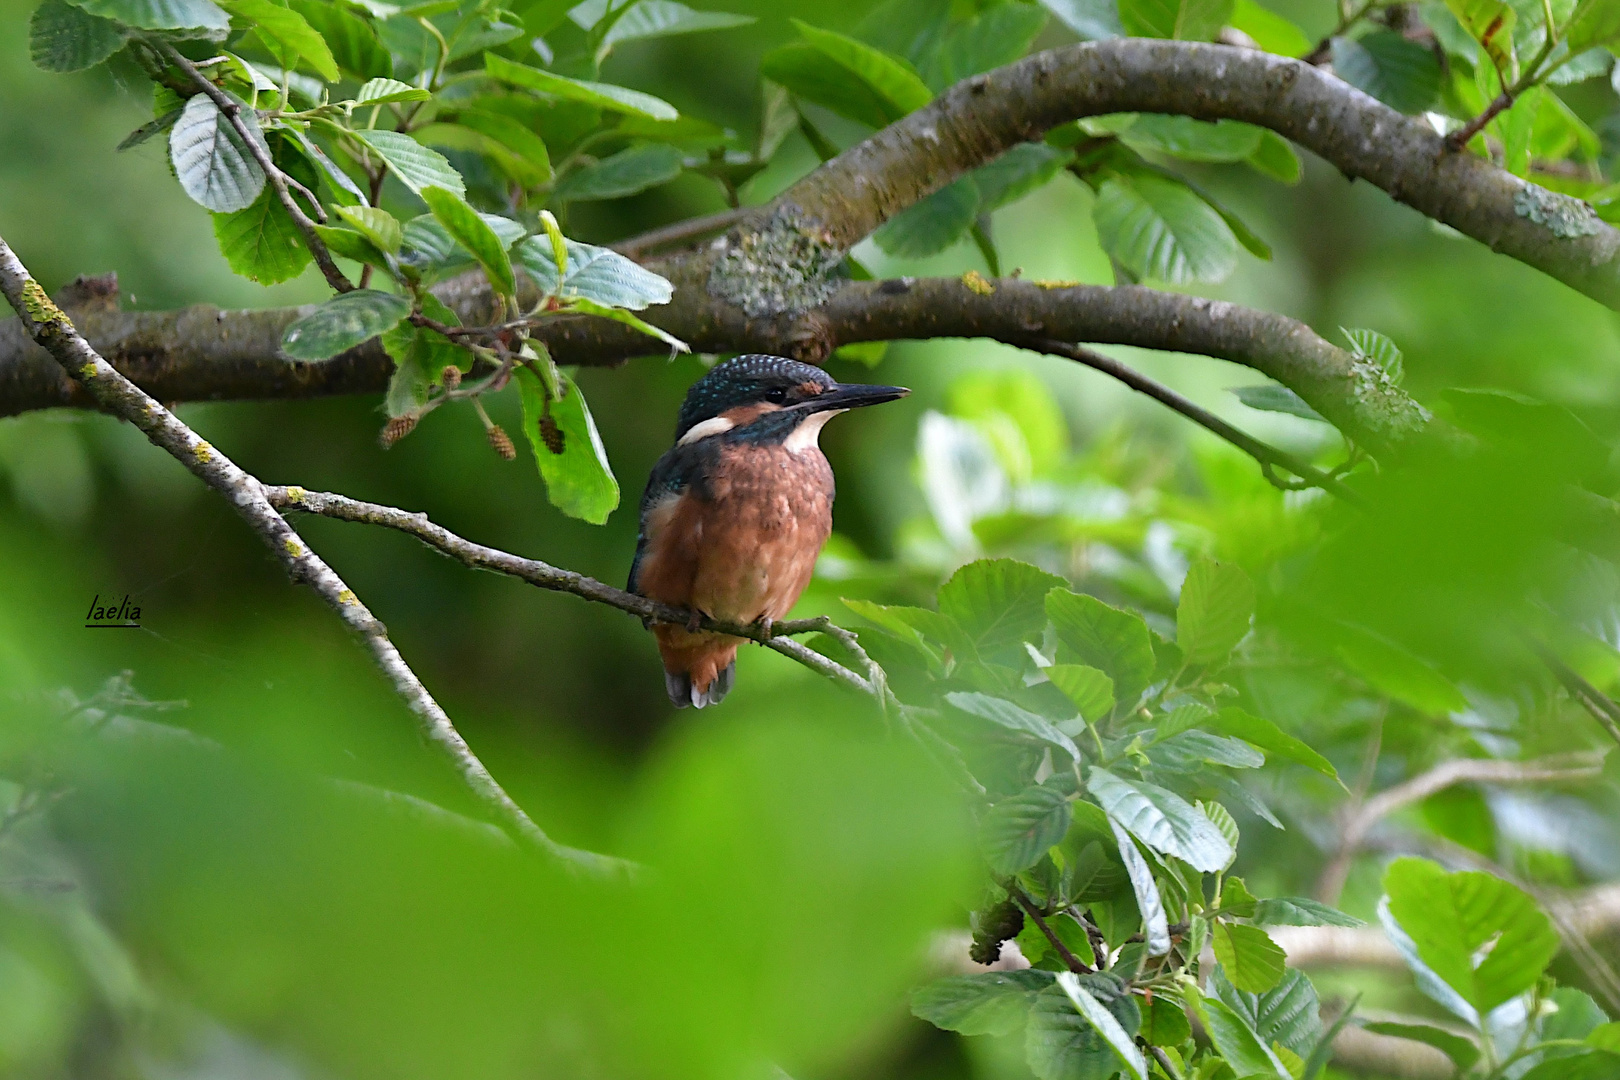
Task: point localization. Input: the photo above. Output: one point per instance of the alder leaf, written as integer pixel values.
(473, 233)
(1402, 74)
(261, 242)
(1217, 603)
(929, 226)
(983, 1003)
(1118, 1039)
(415, 165)
(193, 18)
(599, 95)
(1017, 830)
(63, 38)
(210, 159)
(1185, 20)
(1253, 962)
(387, 91)
(1159, 228)
(579, 480)
(346, 320)
(594, 273)
(291, 31)
(625, 173)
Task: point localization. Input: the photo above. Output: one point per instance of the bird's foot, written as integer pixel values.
(765, 623)
(694, 622)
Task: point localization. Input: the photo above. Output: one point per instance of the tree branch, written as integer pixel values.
(776, 636)
(52, 329)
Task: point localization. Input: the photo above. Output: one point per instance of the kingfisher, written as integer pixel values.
(736, 512)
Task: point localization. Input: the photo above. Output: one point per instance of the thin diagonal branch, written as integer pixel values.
(117, 395)
(279, 181)
(776, 636)
(1604, 709)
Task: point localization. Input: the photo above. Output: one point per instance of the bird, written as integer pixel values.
(736, 512)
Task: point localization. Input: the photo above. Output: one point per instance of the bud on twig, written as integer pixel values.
(502, 443)
(396, 429)
(450, 377)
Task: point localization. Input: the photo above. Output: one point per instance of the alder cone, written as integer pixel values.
(502, 443)
(450, 377)
(552, 434)
(396, 429)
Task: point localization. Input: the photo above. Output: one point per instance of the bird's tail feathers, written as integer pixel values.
(700, 672)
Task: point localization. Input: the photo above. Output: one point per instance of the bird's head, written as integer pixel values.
(771, 399)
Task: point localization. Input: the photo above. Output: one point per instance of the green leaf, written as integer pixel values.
(1062, 1044)
(591, 307)
(472, 232)
(995, 36)
(984, 1003)
(1272, 397)
(804, 71)
(1286, 1015)
(598, 95)
(65, 38)
(1185, 20)
(625, 173)
(349, 244)
(1192, 140)
(999, 603)
(1396, 672)
(896, 84)
(1104, 637)
(594, 273)
(1253, 962)
(1371, 345)
(1149, 903)
(1270, 738)
(1451, 916)
(353, 40)
(664, 18)
(1190, 751)
(1402, 74)
(387, 91)
(1092, 20)
(1165, 1022)
(916, 624)
(288, 29)
(1299, 911)
(1597, 1065)
(213, 164)
(1236, 1040)
(1275, 157)
(1016, 831)
(201, 16)
(1604, 1036)
(579, 481)
(408, 385)
(513, 136)
(1118, 1039)
(1004, 714)
(1159, 228)
(346, 320)
(1016, 173)
(420, 358)
(376, 225)
(416, 166)
(1161, 819)
(1489, 22)
(261, 242)
(1270, 31)
(1222, 819)
(1594, 22)
(1217, 603)
(1577, 1016)
(931, 225)
(1091, 690)
(1462, 1050)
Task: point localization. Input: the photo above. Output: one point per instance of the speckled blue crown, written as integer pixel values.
(742, 380)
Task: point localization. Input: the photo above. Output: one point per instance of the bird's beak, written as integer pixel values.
(854, 396)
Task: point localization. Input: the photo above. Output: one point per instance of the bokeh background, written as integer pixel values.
(562, 699)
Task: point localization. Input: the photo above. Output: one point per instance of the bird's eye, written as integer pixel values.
(776, 395)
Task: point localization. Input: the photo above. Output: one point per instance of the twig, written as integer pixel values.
(280, 181)
(1073, 962)
(1604, 709)
(776, 636)
(1268, 456)
(52, 329)
(1460, 138)
(690, 229)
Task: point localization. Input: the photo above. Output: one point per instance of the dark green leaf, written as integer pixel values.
(1149, 903)
(1398, 673)
(1459, 1048)
(1108, 1026)
(1450, 916)
(201, 17)
(1159, 228)
(1163, 820)
(594, 273)
(599, 95)
(1016, 173)
(513, 136)
(1271, 397)
(1596, 1065)
(1285, 1015)
(1192, 140)
(261, 242)
(931, 225)
(1236, 1040)
(1104, 637)
(346, 320)
(1402, 74)
(896, 83)
(378, 226)
(1185, 20)
(1191, 750)
(1217, 602)
(1016, 832)
(1000, 603)
(353, 41)
(625, 173)
(1275, 156)
(387, 91)
(986, 1003)
(995, 36)
(579, 481)
(1269, 30)
(1300, 911)
(1009, 717)
(1093, 20)
(805, 71)
(664, 18)
(416, 166)
(64, 38)
(350, 244)
(1252, 961)
(1061, 1044)
(472, 232)
(213, 164)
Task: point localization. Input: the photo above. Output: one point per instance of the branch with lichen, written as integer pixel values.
(50, 326)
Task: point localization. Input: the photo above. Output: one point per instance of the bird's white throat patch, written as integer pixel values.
(807, 436)
(715, 425)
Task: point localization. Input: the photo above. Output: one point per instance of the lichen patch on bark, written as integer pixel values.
(1563, 216)
(783, 266)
